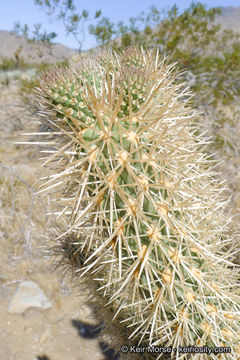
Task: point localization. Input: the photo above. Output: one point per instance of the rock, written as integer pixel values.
(28, 295)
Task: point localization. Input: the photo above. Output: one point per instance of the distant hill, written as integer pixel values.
(9, 42)
(230, 18)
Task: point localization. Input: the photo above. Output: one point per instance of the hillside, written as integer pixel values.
(32, 52)
(230, 18)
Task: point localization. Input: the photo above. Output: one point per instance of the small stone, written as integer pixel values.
(28, 295)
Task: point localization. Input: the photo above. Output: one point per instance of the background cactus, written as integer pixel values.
(145, 213)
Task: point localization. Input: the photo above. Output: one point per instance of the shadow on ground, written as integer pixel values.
(89, 331)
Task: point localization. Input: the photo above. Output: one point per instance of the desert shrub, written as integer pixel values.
(11, 64)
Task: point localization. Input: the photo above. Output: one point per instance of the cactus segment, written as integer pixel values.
(142, 201)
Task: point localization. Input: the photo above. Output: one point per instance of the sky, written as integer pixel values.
(27, 12)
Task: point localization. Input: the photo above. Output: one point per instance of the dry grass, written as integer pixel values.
(22, 212)
(225, 131)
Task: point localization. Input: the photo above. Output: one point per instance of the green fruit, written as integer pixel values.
(145, 210)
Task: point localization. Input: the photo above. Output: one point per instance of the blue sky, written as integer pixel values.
(27, 12)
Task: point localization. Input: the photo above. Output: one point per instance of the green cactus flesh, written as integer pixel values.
(143, 204)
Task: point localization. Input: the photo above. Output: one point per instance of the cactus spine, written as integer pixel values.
(145, 210)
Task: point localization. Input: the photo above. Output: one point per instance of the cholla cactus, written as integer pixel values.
(145, 212)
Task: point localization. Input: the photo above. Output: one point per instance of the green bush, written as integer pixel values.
(10, 64)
